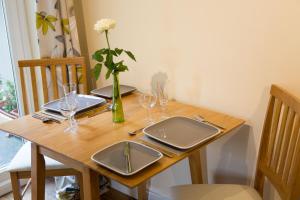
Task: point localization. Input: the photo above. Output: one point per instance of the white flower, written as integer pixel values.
(104, 25)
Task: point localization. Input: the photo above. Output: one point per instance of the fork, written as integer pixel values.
(127, 157)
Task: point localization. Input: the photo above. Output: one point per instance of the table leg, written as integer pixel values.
(37, 173)
(195, 167)
(90, 181)
(143, 190)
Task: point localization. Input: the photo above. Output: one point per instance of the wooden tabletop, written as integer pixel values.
(98, 132)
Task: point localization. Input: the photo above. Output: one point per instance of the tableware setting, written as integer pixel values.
(181, 132)
(84, 102)
(107, 92)
(126, 157)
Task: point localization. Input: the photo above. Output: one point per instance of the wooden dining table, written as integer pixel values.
(95, 133)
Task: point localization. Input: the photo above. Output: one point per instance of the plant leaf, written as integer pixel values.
(108, 73)
(38, 23)
(50, 25)
(97, 56)
(109, 62)
(97, 70)
(130, 55)
(118, 51)
(122, 68)
(113, 53)
(51, 18)
(44, 27)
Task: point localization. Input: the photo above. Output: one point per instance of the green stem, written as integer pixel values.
(106, 35)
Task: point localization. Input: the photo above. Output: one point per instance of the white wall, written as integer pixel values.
(222, 55)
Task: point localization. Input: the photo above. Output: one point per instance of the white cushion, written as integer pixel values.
(213, 192)
(22, 160)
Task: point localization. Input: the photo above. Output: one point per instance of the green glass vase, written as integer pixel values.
(117, 107)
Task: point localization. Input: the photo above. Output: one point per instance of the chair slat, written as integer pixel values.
(295, 162)
(277, 148)
(274, 127)
(44, 84)
(74, 74)
(64, 74)
(24, 94)
(34, 89)
(286, 142)
(84, 80)
(290, 153)
(54, 82)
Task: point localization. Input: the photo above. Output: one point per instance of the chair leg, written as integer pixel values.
(15, 183)
(80, 184)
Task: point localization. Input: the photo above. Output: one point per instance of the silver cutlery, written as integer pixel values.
(132, 133)
(107, 109)
(127, 157)
(201, 119)
(44, 119)
(53, 115)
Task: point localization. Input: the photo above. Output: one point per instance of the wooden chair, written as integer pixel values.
(278, 160)
(20, 166)
(65, 64)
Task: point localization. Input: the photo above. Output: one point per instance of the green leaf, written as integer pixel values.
(122, 68)
(108, 73)
(130, 55)
(38, 23)
(105, 51)
(50, 25)
(65, 21)
(97, 70)
(51, 18)
(113, 53)
(97, 56)
(118, 51)
(44, 27)
(109, 62)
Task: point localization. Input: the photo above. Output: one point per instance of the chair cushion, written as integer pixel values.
(22, 160)
(213, 192)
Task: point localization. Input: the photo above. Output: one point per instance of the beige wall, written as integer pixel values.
(222, 55)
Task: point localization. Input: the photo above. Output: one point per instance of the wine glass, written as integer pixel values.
(66, 111)
(163, 98)
(70, 91)
(148, 100)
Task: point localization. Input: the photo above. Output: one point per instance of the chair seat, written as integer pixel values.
(22, 160)
(213, 192)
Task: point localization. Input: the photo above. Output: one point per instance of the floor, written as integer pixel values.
(9, 146)
(50, 193)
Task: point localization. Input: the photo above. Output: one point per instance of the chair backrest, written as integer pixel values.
(73, 66)
(279, 154)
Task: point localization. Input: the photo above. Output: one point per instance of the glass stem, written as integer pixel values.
(70, 121)
(149, 115)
